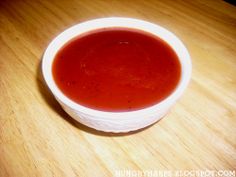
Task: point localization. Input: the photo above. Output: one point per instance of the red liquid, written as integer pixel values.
(116, 69)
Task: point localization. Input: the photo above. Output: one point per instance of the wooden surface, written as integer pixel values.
(37, 138)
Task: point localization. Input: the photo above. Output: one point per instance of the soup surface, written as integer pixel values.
(116, 69)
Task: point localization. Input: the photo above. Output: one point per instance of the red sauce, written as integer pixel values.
(116, 69)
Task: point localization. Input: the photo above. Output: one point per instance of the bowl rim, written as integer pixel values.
(80, 28)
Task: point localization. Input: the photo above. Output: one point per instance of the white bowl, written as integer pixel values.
(116, 121)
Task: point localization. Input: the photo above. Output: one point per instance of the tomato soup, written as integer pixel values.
(116, 69)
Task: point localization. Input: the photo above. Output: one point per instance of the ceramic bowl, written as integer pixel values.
(117, 121)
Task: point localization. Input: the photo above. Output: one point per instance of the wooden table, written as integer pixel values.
(37, 138)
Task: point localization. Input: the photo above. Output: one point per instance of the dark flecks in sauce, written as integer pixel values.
(116, 69)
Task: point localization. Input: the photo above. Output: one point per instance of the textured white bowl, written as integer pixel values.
(116, 121)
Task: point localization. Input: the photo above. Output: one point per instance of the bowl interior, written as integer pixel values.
(81, 28)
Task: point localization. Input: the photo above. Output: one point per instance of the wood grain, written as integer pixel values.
(37, 138)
